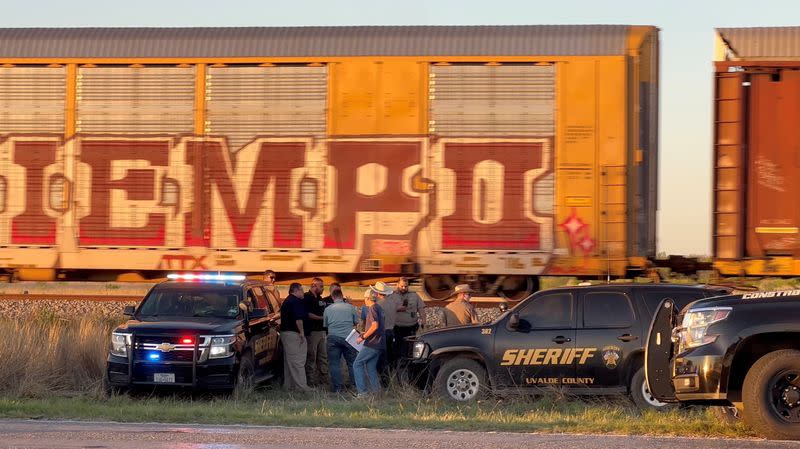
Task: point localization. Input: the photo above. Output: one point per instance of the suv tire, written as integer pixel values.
(461, 380)
(640, 394)
(767, 386)
(245, 378)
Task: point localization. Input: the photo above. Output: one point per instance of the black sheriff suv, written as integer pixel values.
(739, 352)
(202, 331)
(581, 340)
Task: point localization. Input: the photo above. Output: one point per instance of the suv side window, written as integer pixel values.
(607, 310)
(553, 311)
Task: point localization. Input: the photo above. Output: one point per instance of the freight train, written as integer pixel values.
(491, 154)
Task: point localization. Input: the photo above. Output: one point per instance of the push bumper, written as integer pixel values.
(212, 374)
(697, 376)
(177, 367)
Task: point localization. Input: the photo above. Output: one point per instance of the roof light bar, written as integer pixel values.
(205, 277)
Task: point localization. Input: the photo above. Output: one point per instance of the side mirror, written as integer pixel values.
(129, 310)
(503, 307)
(513, 321)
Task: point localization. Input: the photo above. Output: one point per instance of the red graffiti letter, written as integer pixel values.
(514, 230)
(95, 229)
(274, 163)
(33, 226)
(347, 157)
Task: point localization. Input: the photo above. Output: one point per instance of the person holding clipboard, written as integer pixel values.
(365, 367)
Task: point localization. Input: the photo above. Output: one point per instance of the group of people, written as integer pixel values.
(315, 332)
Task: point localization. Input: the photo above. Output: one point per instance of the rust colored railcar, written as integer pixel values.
(757, 152)
(489, 154)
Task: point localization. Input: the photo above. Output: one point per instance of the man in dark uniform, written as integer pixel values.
(317, 358)
(409, 318)
(294, 322)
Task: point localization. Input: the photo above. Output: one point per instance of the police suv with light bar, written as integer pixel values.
(740, 352)
(197, 330)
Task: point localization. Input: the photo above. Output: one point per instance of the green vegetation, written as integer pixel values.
(397, 411)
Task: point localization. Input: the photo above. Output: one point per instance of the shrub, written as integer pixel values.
(44, 354)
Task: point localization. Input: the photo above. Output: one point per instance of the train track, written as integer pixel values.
(57, 297)
(480, 302)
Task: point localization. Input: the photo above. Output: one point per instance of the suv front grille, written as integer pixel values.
(176, 355)
(168, 348)
(151, 339)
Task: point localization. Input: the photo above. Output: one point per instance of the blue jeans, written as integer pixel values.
(337, 348)
(366, 365)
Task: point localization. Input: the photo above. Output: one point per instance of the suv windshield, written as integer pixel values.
(192, 302)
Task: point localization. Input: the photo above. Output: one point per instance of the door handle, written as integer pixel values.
(627, 337)
(561, 340)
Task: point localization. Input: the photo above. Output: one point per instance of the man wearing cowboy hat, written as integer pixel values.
(365, 367)
(460, 311)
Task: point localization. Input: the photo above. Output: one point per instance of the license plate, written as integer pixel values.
(167, 378)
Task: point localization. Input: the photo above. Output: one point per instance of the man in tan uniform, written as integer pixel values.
(272, 289)
(460, 311)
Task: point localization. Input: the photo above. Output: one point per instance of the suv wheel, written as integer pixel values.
(461, 380)
(641, 396)
(245, 380)
(771, 395)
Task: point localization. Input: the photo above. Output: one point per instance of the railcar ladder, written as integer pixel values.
(613, 215)
(730, 110)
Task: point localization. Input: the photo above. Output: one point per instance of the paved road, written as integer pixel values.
(71, 434)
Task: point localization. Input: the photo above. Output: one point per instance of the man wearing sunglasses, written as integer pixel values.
(272, 290)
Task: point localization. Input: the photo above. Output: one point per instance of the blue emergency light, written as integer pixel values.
(154, 356)
(205, 277)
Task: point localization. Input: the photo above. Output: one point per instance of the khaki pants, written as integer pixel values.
(317, 359)
(294, 360)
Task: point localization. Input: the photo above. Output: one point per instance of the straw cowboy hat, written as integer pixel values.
(461, 288)
(381, 288)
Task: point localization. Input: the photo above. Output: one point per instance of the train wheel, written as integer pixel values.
(439, 287)
(517, 288)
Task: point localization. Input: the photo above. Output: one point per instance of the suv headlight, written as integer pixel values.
(120, 341)
(419, 349)
(221, 346)
(694, 328)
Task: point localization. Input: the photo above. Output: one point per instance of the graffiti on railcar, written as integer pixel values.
(396, 197)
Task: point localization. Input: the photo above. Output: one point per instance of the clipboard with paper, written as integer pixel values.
(352, 339)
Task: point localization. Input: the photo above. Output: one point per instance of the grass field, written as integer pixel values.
(53, 368)
(549, 414)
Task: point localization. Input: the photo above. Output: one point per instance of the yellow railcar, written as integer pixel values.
(492, 154)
